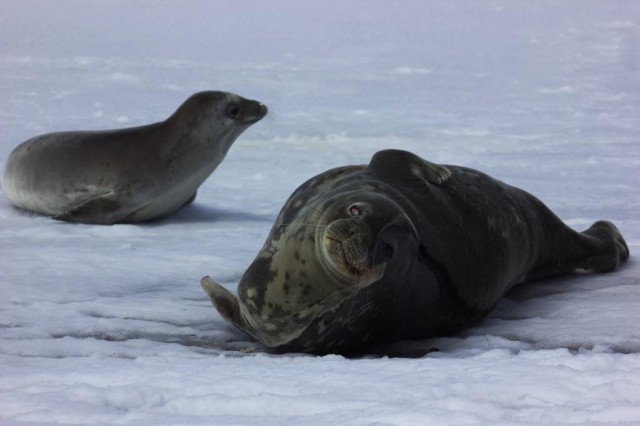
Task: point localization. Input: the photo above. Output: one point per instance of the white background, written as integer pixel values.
(108, 324)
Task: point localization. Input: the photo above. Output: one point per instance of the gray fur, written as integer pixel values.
(128, 175)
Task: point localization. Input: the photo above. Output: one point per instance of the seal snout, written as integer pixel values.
(246, 111)
(346, 242)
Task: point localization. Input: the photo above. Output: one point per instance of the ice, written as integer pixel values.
(109, 325)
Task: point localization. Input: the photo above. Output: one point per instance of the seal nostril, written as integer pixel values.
(387, 250)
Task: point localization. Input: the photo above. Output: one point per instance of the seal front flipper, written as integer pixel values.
(103, 209)
(191, 199)
(226, 303)
(395, 162)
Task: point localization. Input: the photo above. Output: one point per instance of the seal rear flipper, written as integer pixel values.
(600, 248)
(226, 303)
(398, 162)
(611, 250)
(104, 210)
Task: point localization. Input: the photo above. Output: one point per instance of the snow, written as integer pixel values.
(109, 325)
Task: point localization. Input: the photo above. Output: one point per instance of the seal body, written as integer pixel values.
(128, 175)
(401, 249)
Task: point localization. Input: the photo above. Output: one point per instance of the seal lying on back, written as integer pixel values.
(401, 249)
(128, 175)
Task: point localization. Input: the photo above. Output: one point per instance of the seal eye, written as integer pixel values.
(233, 112)
(355, 210)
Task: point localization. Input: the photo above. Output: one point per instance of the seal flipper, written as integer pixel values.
(226, 303)
(600, 248)
(611, 248)
(191, 199)
(397, 161)
(103, 209)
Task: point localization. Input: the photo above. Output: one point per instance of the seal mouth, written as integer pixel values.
(348, 256)
(336, 249)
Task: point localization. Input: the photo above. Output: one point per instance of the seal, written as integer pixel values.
(401, 249)
(128, 175)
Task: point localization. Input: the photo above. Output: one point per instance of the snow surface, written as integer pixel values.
(108, 324)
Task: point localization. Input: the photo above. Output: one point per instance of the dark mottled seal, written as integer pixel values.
(401, 249)
(128, 175)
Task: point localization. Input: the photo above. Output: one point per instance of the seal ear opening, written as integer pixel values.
(225, 302)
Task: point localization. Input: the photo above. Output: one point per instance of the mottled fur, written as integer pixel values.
(401, 249)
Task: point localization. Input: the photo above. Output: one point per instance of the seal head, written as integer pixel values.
(287, 291)
(323, 254)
